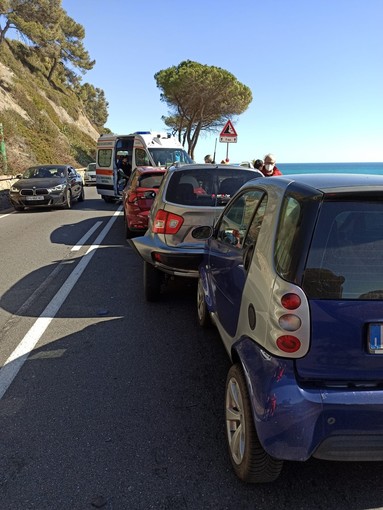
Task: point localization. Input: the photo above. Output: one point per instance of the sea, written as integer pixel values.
(331, 168)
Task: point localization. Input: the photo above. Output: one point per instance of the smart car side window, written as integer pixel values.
(251, 238)
(236, 219)
(255, 226)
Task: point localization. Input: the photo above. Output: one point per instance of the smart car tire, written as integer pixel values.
(203, 313)
(250, 461)
(152, 282)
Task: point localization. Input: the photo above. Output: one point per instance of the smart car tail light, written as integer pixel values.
(289, 331)
(288, 343)
(290, 322)
(291, 301)
(166, 223)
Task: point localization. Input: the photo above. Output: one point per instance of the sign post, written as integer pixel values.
(228, 135)
(2, 151)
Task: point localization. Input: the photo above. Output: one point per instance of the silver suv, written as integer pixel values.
(189, 196)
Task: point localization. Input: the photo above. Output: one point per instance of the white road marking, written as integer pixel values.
(84, 239)
(18, 357)
(4, 215)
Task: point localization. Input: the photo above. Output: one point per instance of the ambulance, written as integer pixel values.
(142, 148)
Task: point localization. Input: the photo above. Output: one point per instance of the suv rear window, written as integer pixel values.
(346, 254)
(206, 186)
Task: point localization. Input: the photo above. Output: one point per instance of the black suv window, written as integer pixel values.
(206, 186)
(346, 255)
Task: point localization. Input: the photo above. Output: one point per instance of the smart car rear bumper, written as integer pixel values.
(295, 421)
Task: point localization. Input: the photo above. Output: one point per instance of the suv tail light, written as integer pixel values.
(166, 223)
(132, 199)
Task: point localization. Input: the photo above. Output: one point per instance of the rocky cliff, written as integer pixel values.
(43, 122)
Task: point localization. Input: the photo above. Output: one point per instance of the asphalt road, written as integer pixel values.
(111, 402)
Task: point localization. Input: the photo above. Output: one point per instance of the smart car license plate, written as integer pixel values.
(35, 197)
(375, 338)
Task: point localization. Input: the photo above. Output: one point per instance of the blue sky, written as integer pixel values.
(315, 69)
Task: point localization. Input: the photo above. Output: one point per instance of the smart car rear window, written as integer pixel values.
(346, 255)
(206, 186)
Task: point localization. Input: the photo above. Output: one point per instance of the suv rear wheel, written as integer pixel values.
(250, 461)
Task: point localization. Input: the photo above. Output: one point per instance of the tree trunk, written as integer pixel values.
(3, 30)
(52, 70)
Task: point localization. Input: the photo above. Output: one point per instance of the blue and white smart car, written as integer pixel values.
(292, 277)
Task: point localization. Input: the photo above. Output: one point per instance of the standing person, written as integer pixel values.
(258, 164)
(269, 168)
(208, 159)
(126, 167)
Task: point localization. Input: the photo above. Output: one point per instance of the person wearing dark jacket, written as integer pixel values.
(126, 167)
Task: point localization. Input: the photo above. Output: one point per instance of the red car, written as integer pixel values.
(138, 196)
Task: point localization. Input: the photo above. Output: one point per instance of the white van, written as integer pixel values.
(90, 174)
(142, 148)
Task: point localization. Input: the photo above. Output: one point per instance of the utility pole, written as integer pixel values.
(215, 150)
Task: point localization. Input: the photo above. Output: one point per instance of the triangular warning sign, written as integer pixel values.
(228, 130)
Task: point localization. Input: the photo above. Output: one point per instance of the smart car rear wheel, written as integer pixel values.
(203, 313)
(152, 282)
(250, 461)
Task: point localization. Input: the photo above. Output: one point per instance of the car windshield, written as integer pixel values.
(150, 180)
(42, 172)
(206, 186)
(91, 167)
(346, 254)
(168, 157)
